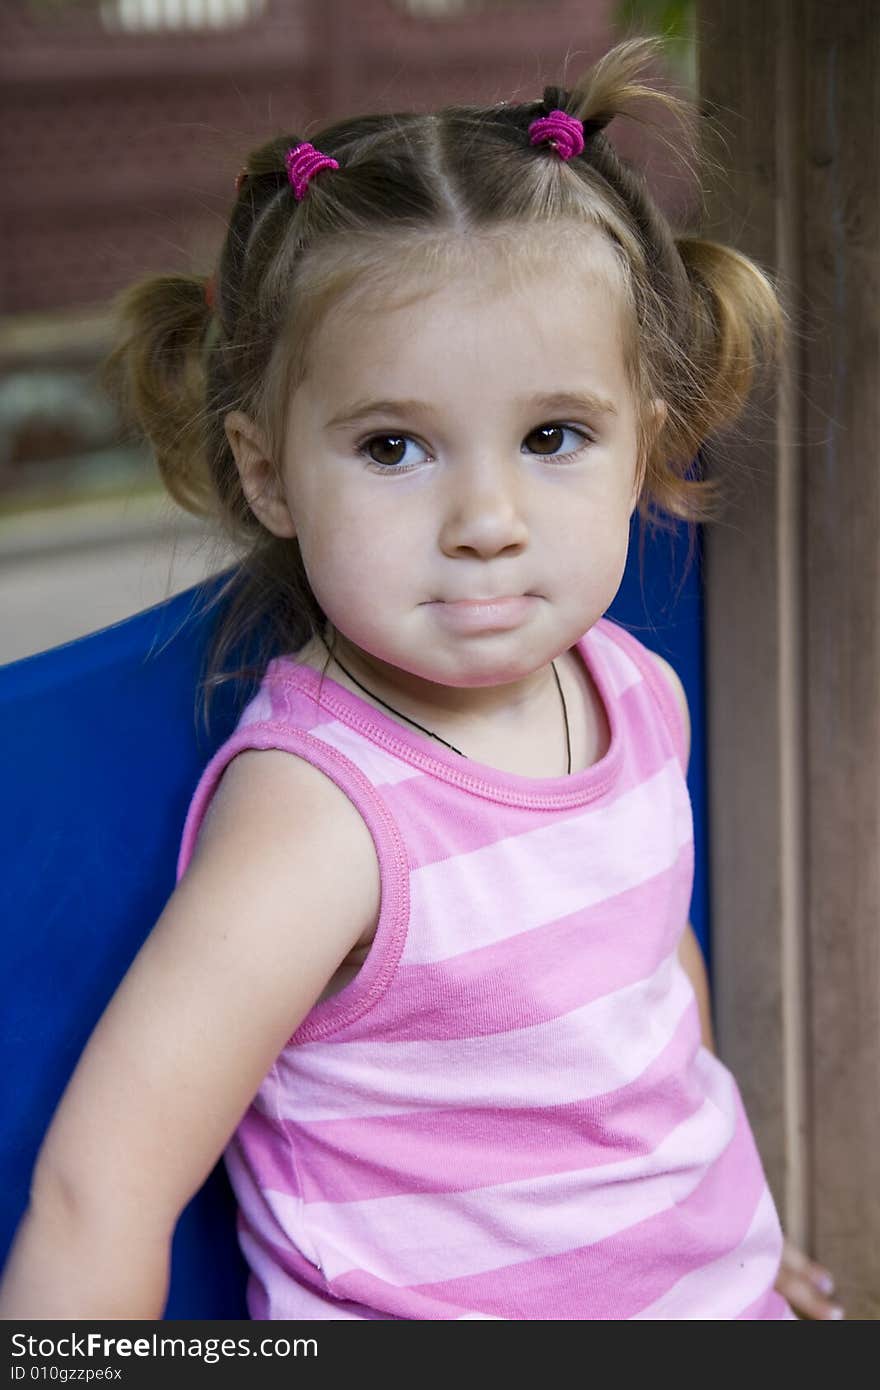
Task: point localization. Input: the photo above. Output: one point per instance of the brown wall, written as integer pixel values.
(793, 623)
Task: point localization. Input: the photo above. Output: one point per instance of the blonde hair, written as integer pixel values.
(409, 189)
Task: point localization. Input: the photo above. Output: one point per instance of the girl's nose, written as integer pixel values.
(483, 510)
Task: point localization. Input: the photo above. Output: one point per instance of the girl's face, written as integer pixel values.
(475, 444)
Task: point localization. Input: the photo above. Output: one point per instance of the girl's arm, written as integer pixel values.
(244, 947)
(691, 958)
(689, 951)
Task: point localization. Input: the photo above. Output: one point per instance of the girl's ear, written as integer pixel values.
(657, 413)
(259, 478)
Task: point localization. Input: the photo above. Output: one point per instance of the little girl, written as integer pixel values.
(426, 981)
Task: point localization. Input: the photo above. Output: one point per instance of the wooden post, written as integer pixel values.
(793, 621)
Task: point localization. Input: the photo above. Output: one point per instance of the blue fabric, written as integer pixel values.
(663, 606)
(100, 756)
(101, 753)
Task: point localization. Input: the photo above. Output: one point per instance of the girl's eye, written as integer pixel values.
(388, 451)
(548, 439)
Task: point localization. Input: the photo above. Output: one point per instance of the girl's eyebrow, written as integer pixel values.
(577, 401)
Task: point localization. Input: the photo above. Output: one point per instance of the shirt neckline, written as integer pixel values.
(430, 756)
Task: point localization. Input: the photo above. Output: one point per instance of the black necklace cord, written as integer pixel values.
(431, 734)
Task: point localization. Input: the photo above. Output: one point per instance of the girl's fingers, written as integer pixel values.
(805, 1284)
(805, 1298)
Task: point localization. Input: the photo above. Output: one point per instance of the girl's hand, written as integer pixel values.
(800, 1280)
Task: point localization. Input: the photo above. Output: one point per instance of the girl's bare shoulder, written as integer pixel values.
(271, 801)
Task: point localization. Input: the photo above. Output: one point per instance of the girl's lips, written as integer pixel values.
(481, 615)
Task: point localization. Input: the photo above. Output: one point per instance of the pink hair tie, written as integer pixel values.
(302, 163)
(565, 133)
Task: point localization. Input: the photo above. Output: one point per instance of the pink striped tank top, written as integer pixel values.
(507, 1112)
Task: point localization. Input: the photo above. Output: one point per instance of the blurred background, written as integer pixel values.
(122, 126)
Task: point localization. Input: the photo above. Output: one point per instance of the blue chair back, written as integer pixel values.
(101, 754)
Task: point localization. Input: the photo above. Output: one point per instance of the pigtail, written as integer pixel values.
(611, 87)
(728, 325)
(188, 349)
(737, 324)
(156, 372)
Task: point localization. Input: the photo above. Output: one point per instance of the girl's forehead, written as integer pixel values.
(533, 260)
(497, 325)
(543, 277)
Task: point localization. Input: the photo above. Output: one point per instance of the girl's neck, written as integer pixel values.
(529, 747)
(468, 709)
